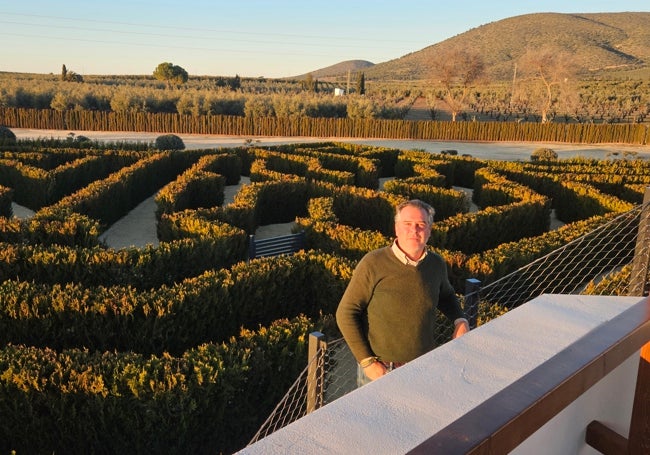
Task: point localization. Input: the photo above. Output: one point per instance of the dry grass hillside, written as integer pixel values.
(352, 66)
(599, 42)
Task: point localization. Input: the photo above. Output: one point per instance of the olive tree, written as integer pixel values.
(170, 73)
(547, 75)
(457, 71)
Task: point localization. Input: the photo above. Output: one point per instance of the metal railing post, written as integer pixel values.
(472, 299)
(641, 261)
(251, 246)
(315, 371)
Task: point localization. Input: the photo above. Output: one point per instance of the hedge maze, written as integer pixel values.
(187, 347)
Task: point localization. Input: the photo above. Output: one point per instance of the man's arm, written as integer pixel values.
(462, 327)
(351, 312)
(450, 306)
(349, 318)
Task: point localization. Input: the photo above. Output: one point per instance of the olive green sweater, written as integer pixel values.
(389, 308)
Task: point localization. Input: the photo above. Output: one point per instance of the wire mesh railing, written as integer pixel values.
(612, 259)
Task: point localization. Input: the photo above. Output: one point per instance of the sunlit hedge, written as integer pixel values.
(261, 125)
(190, 343)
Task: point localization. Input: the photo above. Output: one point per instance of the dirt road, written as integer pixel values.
(503, 151)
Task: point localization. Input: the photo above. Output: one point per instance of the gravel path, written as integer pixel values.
(503, 151)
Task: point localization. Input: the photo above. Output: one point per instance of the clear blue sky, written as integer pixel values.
(250, 38)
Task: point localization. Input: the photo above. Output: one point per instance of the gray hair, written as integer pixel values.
(416, 203)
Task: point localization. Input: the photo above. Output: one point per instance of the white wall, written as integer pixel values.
(608, 401)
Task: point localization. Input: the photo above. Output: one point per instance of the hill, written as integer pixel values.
(338, 69)
(599, 42)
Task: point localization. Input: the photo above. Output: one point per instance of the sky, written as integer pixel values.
(249, 38)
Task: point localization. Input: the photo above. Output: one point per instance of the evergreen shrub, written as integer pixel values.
(7, 137)
(169, 142)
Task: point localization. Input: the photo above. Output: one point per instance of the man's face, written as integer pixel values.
(412, 230)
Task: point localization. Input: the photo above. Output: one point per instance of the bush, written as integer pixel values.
(169, 142)
(543, 154)
(7, 137)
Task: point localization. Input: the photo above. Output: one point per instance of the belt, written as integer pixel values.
(390, 366)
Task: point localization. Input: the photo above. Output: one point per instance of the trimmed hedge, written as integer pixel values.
(6, 199)
(325, 127)
(211, 307)
(161, 342)
(204, 401)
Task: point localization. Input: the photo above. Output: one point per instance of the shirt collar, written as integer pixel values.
(403, 258)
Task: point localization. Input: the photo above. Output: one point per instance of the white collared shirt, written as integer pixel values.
(404, 259)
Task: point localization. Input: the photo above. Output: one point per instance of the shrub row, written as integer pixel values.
(50, 227)
(171, 308)
(6, 199)
(525, 212)
(142, 268)
(205, 400)
(447, 202)
(110, 199)
(200, 186)
(577, 201)
(457, 171)
(572, 197)
(335, 168)
(211, 307)
(37, 187)
(324, 127)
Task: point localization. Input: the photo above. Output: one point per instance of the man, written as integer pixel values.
(387, 314)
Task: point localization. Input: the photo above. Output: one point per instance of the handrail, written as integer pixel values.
(504, 421)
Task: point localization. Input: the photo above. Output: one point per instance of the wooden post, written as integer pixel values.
(639, 440)
(639, 273)
(315, 371)
(472, 299)
(609, 442)
(604, 439)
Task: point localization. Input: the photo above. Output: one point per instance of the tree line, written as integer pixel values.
(543, 89)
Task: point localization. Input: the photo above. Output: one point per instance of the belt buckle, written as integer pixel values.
(390, 366)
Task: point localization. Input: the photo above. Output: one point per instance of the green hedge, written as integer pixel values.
(446, 202)
(185, 345)
(6, 199)
(211, 307)
(143, 268)
(48, 227)
(37, 186)
(195, 188)
(110, 199)
(204, 401)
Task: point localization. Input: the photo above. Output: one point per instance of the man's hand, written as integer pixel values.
(375, 370)
(461, 329)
